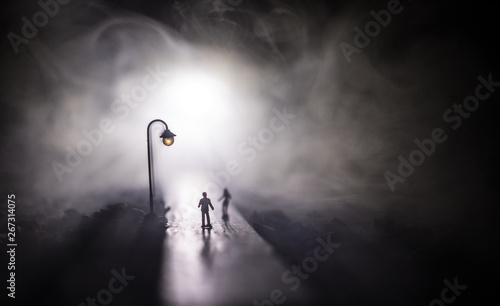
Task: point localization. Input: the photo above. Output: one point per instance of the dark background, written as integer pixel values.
(427, 59)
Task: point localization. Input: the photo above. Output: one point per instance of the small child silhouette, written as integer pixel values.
(204, 203)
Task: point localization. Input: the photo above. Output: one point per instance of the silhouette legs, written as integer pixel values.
(203, 214)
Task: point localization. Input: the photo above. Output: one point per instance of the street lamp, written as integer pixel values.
(168, 140)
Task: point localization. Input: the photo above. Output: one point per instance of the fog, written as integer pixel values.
(219, 79)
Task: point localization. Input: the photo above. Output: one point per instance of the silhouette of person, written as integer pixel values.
(204, 203)
(226, 196)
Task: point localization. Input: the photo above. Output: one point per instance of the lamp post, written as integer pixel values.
(168, 140)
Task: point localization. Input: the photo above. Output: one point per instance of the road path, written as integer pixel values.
(227, 265)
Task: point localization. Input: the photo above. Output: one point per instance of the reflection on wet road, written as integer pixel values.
(229, 264)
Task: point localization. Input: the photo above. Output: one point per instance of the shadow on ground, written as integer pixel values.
(73, 260)
(391, 264)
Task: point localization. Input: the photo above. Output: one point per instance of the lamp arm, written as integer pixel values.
(150, 162)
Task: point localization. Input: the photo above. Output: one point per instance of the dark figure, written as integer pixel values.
(226, 196)
(204, 203)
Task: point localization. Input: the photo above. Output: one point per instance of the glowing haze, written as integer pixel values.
(262, 99)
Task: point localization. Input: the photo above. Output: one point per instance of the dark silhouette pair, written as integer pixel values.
(205, 203)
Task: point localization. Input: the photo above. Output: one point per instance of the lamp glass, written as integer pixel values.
(168, 141)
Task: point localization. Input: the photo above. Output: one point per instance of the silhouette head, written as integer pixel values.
(204, 194)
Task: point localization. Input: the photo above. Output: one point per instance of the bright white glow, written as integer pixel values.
(184, 191)
(212, 110)
(200, 108)
(199, 99)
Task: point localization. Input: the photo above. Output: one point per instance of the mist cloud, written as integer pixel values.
(352, 119)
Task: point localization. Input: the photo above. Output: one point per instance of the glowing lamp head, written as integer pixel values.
(168, 138)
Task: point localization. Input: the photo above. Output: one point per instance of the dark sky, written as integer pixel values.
(355, 118)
